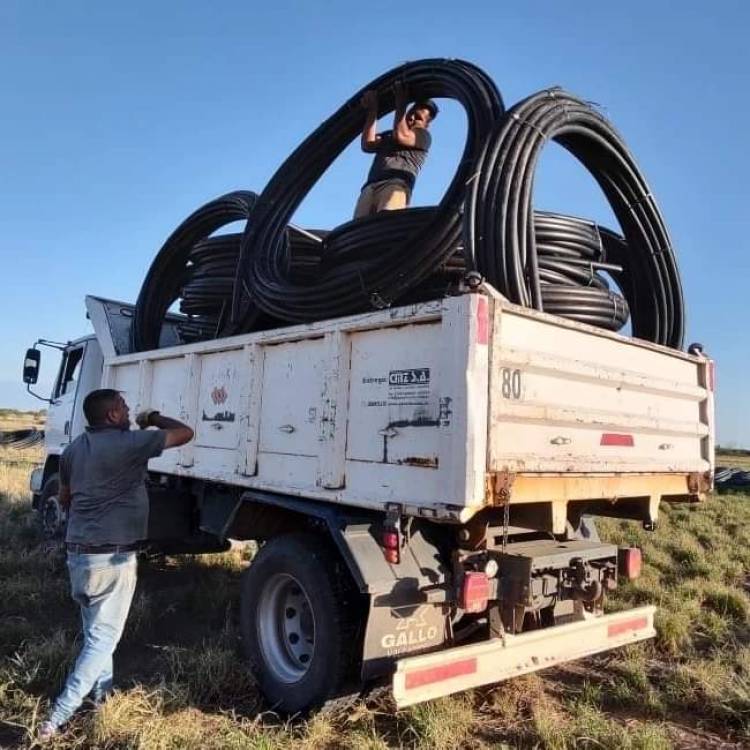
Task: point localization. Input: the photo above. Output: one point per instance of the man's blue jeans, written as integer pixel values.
(103, 585)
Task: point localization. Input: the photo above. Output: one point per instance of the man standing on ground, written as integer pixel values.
(399, 153)
(102, 482)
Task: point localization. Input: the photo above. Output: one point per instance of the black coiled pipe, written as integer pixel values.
(499, 225)
(168, 271)
(208, 279)
(484, 222)
(262, 274)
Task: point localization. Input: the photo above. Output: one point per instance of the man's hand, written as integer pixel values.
(369, 100)
(143, 420)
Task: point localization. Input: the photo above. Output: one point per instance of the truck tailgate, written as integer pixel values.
(568, 397)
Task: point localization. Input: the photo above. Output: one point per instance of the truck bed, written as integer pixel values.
(443, 408)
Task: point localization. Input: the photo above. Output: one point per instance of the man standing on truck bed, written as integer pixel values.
(400, 153)
(102, 475)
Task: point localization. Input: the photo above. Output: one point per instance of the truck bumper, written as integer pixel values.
(420, 678)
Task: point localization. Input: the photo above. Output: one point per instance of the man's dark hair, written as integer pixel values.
(429, 105)
(97, 404)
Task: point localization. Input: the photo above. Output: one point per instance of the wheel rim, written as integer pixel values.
(52, 516)
(286, 627)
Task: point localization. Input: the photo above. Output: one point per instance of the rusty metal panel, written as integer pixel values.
(334, 411)
(394, 398)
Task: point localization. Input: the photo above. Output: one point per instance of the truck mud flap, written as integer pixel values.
(420, 678)
(399, 631)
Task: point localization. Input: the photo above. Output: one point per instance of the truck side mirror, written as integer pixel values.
(31, 364)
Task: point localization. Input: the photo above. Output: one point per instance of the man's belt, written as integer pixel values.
(101, 549)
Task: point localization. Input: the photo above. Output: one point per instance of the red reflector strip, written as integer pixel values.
(483, 322)
(623, 627)
(613, 438)
(420, 677)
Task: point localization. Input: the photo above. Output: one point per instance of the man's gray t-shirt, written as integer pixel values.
(394, 162)
(105, 468)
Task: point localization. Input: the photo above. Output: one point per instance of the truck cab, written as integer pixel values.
(79, 372)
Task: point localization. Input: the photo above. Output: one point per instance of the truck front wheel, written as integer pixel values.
(299, 623)
(52, 518)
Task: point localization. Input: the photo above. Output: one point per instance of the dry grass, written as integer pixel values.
(182, 684)
(739, 460)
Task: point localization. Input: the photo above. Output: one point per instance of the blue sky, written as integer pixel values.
(119, 119)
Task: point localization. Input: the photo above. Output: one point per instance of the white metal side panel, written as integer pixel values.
(125, 380)
(291, 398)
(165, 391)
(567, 398)
(394, 398)
(287, 473)
(218, 400)
(414, 486)
(290, 392)
(464, 399)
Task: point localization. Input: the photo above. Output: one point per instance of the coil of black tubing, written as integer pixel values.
(167, 273)
(499, 225)
(262, 276)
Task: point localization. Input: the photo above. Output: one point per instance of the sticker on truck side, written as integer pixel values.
(409, 387)
(398, 631)
(510, 383)
(411, 632)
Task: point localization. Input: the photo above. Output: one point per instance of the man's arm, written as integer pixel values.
(402, 133)
(370, 138)
(176, 433)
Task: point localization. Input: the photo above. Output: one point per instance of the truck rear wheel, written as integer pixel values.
(298, 623)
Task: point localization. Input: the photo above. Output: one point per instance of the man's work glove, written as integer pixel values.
(143, 420)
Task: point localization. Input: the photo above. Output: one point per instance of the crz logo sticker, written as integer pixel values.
(417, 376)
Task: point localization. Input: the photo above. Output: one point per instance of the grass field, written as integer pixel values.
(182, 684)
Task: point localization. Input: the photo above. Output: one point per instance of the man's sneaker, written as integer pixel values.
(47, 731)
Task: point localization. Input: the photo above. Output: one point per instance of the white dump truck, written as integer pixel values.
(421, 480)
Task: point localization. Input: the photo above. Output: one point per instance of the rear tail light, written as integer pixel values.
(390, 542)
(475, 592)
(615, 438)
(711, 375)
(629, 562)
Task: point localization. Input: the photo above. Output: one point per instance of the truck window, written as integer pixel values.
(69, 371)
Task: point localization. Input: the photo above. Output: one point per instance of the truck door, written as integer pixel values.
(60, 415)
